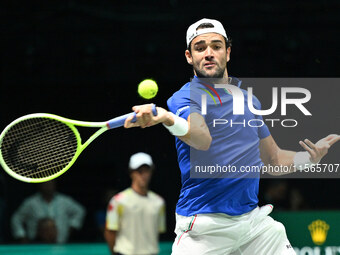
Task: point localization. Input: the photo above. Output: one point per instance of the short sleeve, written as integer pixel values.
(184, 102)
(263, 131)
(113, 215)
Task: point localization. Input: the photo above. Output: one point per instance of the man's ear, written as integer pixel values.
(188, 57)
(228, 53)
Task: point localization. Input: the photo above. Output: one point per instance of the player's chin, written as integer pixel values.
(211, 74)
(208, 72)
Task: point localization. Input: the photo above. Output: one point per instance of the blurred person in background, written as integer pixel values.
(67, 214)
(136, 216)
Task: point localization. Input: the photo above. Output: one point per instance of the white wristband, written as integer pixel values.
(180, 126)
(302, 160)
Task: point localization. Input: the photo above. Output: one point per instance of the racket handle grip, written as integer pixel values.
(119, 121)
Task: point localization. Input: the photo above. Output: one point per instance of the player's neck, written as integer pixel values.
(143, 191)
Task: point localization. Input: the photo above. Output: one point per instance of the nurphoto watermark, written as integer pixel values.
(240, 113)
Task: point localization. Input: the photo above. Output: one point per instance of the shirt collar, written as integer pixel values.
(232, 80)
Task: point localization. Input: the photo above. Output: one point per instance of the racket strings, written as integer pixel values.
(38, 147)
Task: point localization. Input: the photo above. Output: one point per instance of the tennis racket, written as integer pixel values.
(40, 147)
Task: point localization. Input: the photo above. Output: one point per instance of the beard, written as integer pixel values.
(219, 73)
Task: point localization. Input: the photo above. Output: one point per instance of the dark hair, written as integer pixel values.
(209, 25)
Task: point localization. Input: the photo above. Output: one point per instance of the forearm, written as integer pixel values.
(110, 237)
(198, 135)
(283, 159)
(193, 130)
(272, 155)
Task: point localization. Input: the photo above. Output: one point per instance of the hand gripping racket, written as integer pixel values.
(40, 147)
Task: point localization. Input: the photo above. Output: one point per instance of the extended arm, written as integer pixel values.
(272, 155)
(197, 136)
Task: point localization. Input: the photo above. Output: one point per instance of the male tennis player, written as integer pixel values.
(136, 216)
(219, 216)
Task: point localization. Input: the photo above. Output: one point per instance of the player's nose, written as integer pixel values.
(209, 53)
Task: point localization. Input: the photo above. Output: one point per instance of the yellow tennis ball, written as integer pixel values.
(147, 89)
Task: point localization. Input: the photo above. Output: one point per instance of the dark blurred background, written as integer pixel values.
(84, 59)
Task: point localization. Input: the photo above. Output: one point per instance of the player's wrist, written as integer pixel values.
(169, 119)
(302, 160)
(177, 125)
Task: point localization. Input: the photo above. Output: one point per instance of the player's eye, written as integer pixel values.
(199, 48)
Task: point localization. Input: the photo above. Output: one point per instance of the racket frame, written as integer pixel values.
(103, 126)
(72, 125)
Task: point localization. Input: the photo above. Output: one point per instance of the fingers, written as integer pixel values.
(320, 149)
(331, 136)
(305, 146)
(310, 144)
(329, 140)
(129, 124)
(332, 139)
(144, 117)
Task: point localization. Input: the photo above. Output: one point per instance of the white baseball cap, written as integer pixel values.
(192, 31)
(139, 159)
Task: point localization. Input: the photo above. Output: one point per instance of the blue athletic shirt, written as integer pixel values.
(236, 146)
